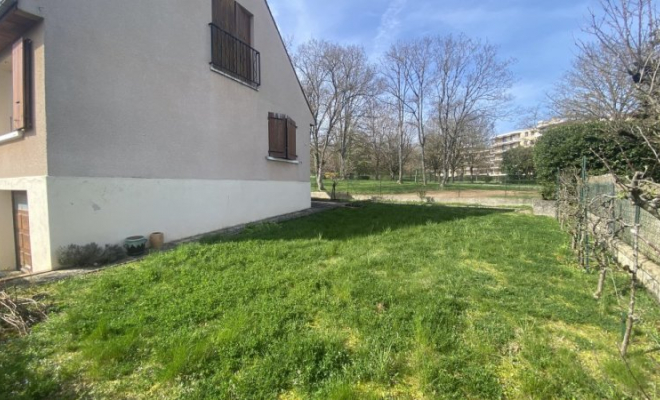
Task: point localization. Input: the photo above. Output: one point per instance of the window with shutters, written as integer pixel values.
(281, 137)
(231, 42)
(16, 88)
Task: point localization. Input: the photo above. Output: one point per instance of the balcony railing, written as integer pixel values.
(232, 56)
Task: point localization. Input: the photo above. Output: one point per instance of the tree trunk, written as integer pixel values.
(319, 178)
(630, 319)
(423, 167)
(445, 176)
(601, 283)
(400, 181)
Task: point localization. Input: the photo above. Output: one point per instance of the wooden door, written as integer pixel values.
(22, 230)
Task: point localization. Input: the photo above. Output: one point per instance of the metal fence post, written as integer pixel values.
(558, 189)
(585, 195)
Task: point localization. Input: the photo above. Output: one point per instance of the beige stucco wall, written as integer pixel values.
(7, 249)
(27, 156)
(130, 94)
(39, 227)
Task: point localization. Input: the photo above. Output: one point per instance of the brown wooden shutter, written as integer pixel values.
(243, 24)
(223, 15)
(291, 139)
(22, 83)
(244, 33)
(277, 126)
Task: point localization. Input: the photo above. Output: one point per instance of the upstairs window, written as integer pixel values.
(231, 42)
(281, 137)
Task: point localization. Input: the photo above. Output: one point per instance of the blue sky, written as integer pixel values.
(539, 34)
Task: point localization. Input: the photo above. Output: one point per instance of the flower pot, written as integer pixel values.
(156, 240)
(135, 245)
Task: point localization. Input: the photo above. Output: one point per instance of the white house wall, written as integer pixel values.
(107, 210)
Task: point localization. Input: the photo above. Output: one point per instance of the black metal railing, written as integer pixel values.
(231, 55)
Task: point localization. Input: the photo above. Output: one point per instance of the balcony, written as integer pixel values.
(234, 57)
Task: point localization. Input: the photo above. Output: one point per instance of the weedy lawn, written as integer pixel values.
(380, 302)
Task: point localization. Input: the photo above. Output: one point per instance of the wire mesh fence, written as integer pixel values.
(623, 216)
(598, 201)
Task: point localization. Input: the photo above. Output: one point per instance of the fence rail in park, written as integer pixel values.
(382, 185)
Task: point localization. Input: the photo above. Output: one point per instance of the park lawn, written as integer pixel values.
(387, 186)
(380, 302)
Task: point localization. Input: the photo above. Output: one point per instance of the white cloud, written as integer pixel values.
(389, 25)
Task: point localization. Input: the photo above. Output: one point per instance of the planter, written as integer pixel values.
(156, 240)
(135, 245)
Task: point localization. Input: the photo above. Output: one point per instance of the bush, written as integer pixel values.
(364, 178)
(488, 179)
(112, 254)
(91, 254)
(564, 146)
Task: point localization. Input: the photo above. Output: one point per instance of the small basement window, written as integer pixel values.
(281, 137)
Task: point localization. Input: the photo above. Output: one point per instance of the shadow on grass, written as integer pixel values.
(352, 222)
(22, 377)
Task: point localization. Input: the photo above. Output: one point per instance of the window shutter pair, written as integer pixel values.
(22, 84)
(281, 136)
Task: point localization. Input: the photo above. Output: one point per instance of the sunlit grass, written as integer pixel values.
(387, 186)
(380, 302)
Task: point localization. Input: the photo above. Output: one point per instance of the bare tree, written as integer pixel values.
(376, 123)
(596, 87)
(357, 84)
(396, 87)
(320, 68)
(476, 144)
(628, 31)
(419, 69)
(471, 84)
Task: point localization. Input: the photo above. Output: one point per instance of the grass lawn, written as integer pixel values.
(387, 186)
(381, 302)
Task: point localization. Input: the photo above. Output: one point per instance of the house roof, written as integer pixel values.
(13, 22)
(6, 5)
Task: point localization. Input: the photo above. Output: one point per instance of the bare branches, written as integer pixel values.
(18, 314)
(471, 84)
(595, 88)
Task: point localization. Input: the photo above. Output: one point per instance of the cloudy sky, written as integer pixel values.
(539, 34)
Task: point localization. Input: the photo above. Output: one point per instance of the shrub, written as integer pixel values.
(77, 256)
(564, 146)
(112, 254)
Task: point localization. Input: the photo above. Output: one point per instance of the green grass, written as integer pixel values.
(387, 186)
(380, 302)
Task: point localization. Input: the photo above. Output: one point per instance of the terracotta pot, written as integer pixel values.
(156, 240)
